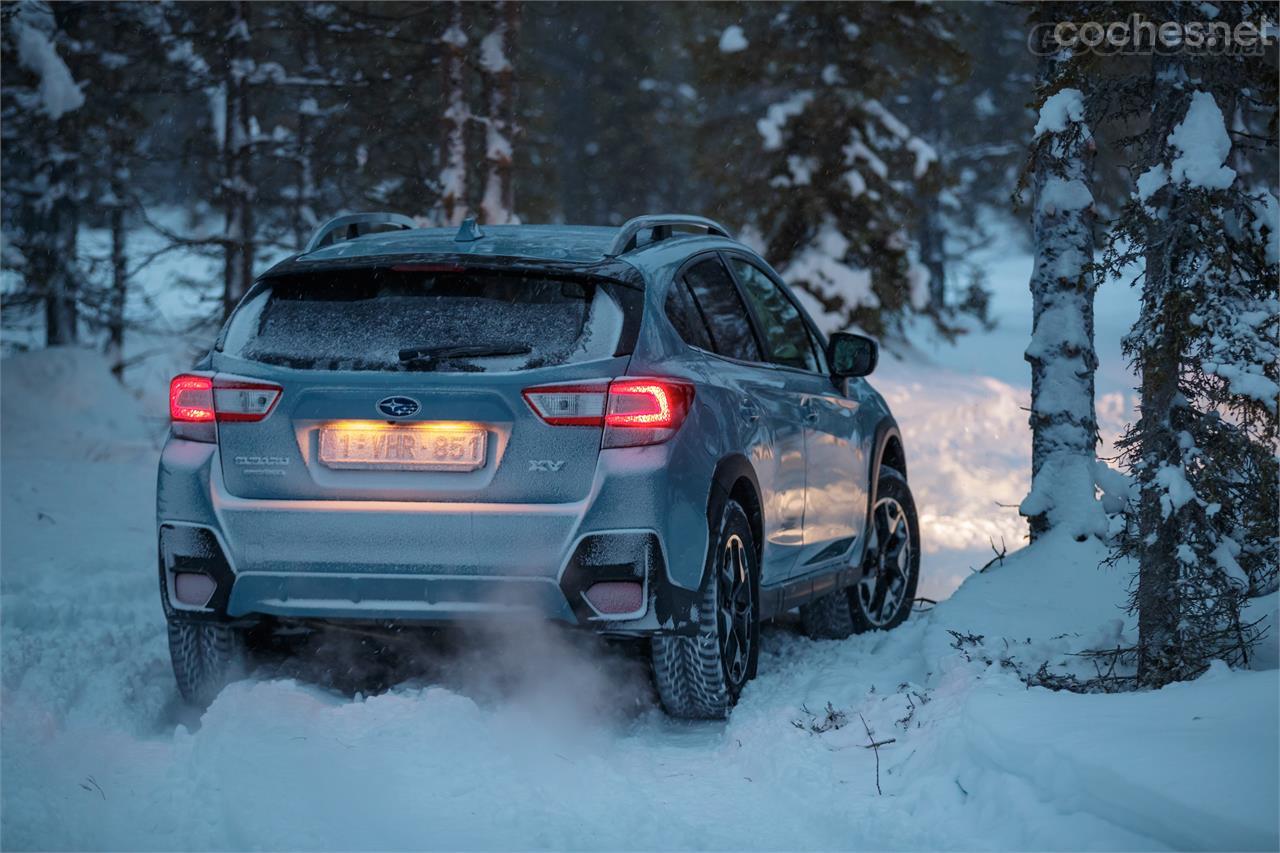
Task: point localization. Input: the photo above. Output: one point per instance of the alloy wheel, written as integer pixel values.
(888, 563)
(735, 609)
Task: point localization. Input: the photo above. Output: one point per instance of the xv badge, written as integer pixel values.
(546, 464)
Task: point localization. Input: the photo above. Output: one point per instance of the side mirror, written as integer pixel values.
(851, 355)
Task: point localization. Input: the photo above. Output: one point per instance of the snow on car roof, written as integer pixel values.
(550, 242)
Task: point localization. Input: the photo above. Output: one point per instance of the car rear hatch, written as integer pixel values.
(407, 384)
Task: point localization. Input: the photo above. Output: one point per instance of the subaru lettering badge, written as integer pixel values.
(398, 407)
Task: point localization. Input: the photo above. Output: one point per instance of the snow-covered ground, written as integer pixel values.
(544, 739)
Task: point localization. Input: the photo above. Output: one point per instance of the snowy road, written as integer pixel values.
(548, 741)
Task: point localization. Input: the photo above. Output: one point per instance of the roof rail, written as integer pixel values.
(660, 224)
(355, 225)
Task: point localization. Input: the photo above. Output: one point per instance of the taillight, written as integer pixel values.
(191, 399)
(633, 410)
(234, 400)
(196, 402)
(568, 405)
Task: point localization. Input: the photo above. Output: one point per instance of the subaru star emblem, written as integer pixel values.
(398, 407)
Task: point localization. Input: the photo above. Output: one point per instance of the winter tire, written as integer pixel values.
(701, 676)
(882, 599)
(206, 655)
(828, 617)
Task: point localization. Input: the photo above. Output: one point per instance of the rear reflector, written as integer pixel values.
(193, 588)
(611, 598)
(633, 410)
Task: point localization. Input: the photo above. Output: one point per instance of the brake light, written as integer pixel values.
(191, 399)
(633, 410)
(196, 402)
(642, 404)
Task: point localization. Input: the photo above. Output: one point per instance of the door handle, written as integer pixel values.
(749, 410)
(811, 413)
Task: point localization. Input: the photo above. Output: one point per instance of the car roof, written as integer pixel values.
(582, 243)
(570, 249)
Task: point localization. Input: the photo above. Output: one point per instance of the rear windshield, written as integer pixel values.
(383, 320)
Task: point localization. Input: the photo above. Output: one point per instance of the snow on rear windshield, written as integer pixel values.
(364, 323)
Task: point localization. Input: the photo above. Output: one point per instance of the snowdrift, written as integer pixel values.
(540, 740)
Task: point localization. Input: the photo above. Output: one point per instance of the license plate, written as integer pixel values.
(418, 447)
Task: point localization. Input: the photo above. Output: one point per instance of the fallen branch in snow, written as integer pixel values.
(999, 555)
(834, 719)
(874, 745)
(96, 787)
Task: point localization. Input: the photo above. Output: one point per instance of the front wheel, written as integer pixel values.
(891, 563)
(701, 676)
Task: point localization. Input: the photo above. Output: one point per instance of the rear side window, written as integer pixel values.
(443, 322)
(684, 314)
(785, 332)
(726, 315)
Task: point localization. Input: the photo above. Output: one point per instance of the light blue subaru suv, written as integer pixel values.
(635, 430)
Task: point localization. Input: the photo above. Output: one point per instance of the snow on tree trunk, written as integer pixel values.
(1064, 425)
(237, 153)
(498, 204)
(453, 174)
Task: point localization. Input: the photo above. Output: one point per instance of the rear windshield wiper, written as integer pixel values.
(431, 355)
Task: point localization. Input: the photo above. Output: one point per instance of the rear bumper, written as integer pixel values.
(426, 562)
(415, 598)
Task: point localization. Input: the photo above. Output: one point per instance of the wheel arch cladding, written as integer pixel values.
(893, 454)
(735, 479)
(889, 452)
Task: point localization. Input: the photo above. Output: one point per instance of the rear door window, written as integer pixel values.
(686, 317)
(723, 309)
(443, 322)
(785, 332)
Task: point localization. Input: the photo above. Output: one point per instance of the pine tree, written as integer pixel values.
(1203, 528)
(810, 154)
(43, 187)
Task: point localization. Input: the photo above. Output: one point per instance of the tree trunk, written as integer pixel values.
(237, 153)
(58, 265)
(498, 205)
(1158, 593)
(119, 280)
(453, 174)
(933, 252)
(304, 213)
(1062, 357)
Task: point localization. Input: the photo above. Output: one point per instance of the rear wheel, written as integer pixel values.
(891, 563)
(828, 617)
(206, 656)
(701, 676)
